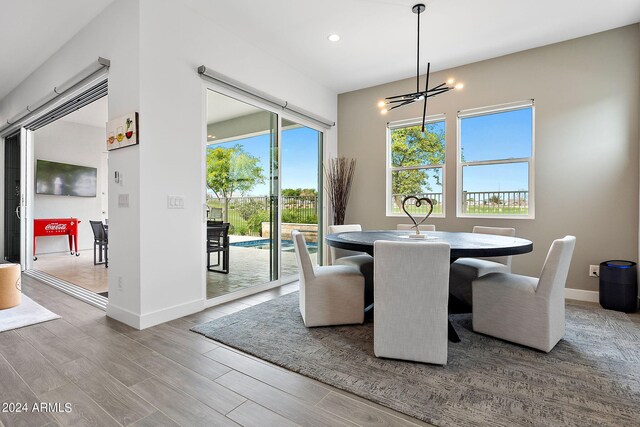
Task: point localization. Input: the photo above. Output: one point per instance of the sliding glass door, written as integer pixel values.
(301, 149)
(242, 195)
(263, 180)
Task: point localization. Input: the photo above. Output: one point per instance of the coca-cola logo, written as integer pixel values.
(54, 226)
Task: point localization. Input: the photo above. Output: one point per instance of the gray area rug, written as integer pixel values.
(592, 377)
(27, 313)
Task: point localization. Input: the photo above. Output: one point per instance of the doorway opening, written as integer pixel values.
(70, 179)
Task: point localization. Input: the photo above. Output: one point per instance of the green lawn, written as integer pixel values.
(471, 210)
(502, 210)
(437, 210)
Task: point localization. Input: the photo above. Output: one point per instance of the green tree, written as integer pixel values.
(495, 200)
(231, 171)
(411, 147)
(250, 207)
(299, 192)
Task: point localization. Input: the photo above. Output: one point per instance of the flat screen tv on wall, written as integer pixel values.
(62, 179)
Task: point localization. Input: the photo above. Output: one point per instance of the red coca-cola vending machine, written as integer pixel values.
(57, 227)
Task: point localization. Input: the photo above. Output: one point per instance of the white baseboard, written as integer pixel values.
(148, 320)
(581, 295)
(154, 318)
(123, 315)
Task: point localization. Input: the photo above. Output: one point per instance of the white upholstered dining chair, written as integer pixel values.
(343, 256)
(522, 309)
(465, 270)
(411, 293)
(360, 260)
(422, 227)
(329, 295)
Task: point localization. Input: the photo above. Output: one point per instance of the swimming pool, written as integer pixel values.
(287, 245)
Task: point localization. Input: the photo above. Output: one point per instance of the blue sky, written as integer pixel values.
(299, 158)
(494, 136)
(502, 135)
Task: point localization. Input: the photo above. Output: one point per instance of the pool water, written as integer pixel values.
(286, 245)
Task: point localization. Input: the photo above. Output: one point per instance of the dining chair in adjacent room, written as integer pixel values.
(360, 260)
(100, 243)
(329, 295)
(410, 319)
(465, 270)
(421, 227)
(522, 309)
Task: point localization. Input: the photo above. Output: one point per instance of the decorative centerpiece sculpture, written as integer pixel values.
(418, 203)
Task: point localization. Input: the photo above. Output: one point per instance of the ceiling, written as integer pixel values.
(33, 30)
(377, 36)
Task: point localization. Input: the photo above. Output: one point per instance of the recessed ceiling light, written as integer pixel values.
(333, 37)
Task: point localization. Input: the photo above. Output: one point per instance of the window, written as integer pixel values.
(495, 161)
(415, 164)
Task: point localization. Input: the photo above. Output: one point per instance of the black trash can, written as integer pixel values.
(619, 285)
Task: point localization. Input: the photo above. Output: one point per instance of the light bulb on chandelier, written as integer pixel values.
(397, 101)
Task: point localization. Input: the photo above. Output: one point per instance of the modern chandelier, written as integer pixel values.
(397, 101)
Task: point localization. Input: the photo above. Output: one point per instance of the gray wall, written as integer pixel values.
(586, 94)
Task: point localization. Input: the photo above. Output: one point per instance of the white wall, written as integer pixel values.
(114, 34)
(157, 254)
(77, 144)
(175, 40)
(587, 96)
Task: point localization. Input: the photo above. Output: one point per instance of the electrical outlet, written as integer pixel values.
(594, 271)
(120, 283)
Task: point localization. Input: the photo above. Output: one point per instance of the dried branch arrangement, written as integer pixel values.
(339, 172)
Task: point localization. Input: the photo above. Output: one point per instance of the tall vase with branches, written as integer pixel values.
(339, 172)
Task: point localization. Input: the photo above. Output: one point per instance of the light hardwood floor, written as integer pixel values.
(162, 376)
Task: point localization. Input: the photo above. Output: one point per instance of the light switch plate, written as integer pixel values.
(123, 200)
(175, 202)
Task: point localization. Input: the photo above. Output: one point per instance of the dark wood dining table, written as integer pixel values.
(462, 245)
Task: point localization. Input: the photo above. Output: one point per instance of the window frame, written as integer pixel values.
(398, 124)
(482, 111)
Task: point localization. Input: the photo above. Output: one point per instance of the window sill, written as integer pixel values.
(497, 216)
